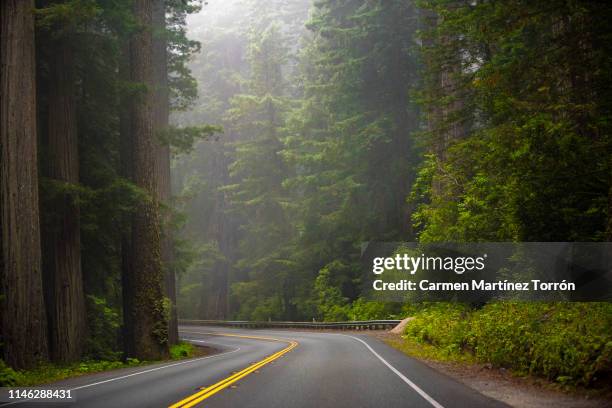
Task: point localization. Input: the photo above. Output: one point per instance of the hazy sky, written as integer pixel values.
(212, 14)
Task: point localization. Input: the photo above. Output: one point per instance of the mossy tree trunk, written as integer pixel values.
(161, 113)
(148, 310)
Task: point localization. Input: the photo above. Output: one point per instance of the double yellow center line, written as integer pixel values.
(201, 395)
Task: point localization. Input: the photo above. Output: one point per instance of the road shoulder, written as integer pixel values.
(502, 385)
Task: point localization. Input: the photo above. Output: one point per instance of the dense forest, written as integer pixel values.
(168, 158)
(430, 121)
(88, 87)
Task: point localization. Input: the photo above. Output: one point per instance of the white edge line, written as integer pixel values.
(415, 387)
(154, 369)
(137, 373)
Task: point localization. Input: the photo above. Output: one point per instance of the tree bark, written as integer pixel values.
(67, 315)
(149, 311)
(609, 228)
(161, 113)
(24, 322)
(125, 147)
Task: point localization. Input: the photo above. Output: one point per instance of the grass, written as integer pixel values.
(46, 373)
(427, 351)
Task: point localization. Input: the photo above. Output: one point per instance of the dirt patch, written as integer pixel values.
(502, 385)
(399, 329)
(201, 351)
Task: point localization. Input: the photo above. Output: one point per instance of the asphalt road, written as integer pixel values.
(303, 369)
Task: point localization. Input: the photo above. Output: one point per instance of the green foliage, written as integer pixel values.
(103, 324)
(182, 350)
(163, 308)
(350, 138)
(518, 146)
(183, 88)
(309, 130)
(519, 138)
(8, 376)
(96, 32)
(183, 139)
(331, 304)
(67, 17)
(442, 325)
(323, 143)
(362, 309)
(47, 373)
(565, 342)
(255, 191)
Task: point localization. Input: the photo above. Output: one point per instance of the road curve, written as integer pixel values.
(321, 370)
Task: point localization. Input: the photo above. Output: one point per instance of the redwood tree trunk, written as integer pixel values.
(67, 315)
(161, 113)
(609, 228)
(125, 136)
(149, 311)
(24, 322)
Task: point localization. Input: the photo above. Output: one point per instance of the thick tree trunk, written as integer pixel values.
(67, 315)
(161, 113)
(609, 228)
(125, 137)
(24, 322)
(149, 311)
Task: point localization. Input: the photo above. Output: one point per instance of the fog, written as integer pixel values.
(246, 71)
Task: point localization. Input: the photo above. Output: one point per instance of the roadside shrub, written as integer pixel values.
(504, 333)
(570, 343)
(331, 304)
(364, 310)
(182, 350)
(443, 325)
(8, 376)
(565, 342)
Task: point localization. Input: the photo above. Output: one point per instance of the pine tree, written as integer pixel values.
(351, 140)
(258, 171)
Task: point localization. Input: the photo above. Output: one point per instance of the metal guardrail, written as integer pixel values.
(356, 325)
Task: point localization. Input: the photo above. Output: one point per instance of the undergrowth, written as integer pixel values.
(568, 343)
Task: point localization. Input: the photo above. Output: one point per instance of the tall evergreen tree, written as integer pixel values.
(147, 307)
(351, 141)
(161, 116)
(60, 24)
(67, 315)
(217, 215)
(24, 321)
(258, 172)
(531, 100)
